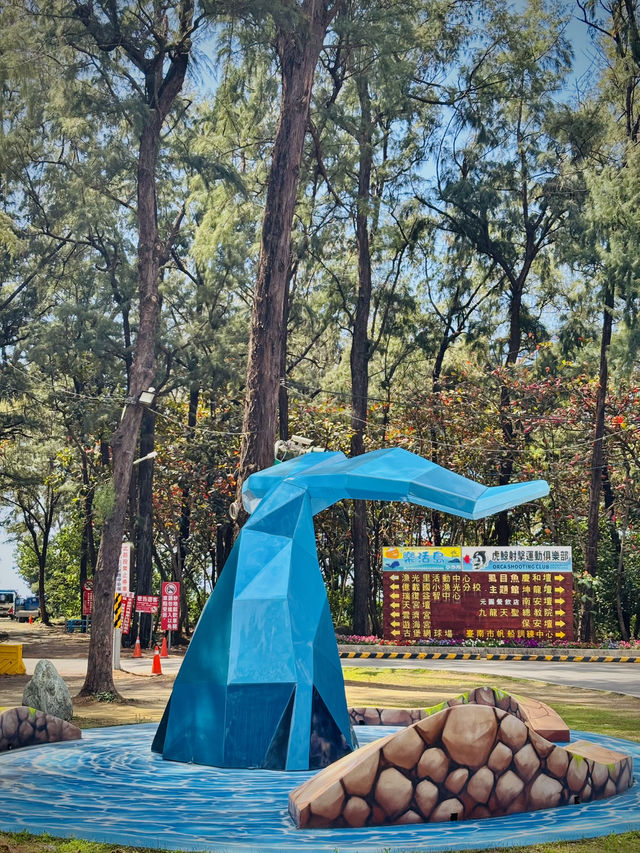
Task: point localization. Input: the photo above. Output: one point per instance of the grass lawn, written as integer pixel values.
(590, 710)
(24, 843)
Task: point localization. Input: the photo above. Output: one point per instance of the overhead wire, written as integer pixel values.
(576, 445)
(112, 399)
(308, 392)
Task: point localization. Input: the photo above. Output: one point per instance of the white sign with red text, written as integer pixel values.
(124, 568)
(170, 613)
(127, 610)
(87, 598)
(147, 603)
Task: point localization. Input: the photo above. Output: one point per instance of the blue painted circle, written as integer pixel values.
(110, 787)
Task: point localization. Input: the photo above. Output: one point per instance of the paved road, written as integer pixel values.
(618, 677)
(78, 666)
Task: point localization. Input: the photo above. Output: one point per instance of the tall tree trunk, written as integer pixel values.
(40, 548)
(359, 361)
(503, 527)
(184, 527)
(46, 530)
(597, 455)
(622, 621)
(99, 677)
(298, 43)
(283, 394)
(144, 520)
(375, 582)
(436, 388)
(161, 90)
(616, 545)
(87, 545)
(224, 546)
(218, 562)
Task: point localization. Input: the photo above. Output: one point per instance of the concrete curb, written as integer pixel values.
(487, 653)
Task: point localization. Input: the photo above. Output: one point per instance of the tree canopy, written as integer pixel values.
(368, 224)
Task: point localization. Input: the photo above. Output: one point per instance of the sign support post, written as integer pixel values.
(117, 629)
(122, 588)
(148, 604)
(117, 636)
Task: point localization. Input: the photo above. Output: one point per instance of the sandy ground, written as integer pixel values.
(144, 696)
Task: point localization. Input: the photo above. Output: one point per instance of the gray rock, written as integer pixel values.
(48, 692)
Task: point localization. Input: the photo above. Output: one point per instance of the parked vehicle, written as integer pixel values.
(26, 608)
(7, 601)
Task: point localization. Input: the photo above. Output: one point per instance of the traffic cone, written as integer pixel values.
(30, 620)
(137, 651)
(163, 651)
(156, 667)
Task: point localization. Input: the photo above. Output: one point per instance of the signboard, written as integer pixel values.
(127, 610)
(147, 603)
(87, 598)
(124, 568)
(170, 612)
(484, 592)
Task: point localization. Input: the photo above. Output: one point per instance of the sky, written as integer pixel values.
(585, 52)
(9, 578)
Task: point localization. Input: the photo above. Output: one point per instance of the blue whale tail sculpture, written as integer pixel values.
(261, 684)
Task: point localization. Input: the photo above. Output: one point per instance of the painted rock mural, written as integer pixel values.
(539, 716)
(24, 726)
(466, 761)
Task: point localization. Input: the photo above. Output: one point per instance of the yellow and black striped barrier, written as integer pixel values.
(413, 655)
(484, 654)
(565, 658)
(117, 610)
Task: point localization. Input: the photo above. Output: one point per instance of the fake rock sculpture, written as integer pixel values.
(261, 684)
(536, 714)
(24, 726)
(464, 762)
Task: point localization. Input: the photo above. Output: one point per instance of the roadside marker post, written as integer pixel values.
(117, 629)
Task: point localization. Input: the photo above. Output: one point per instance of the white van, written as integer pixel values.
(7, 602)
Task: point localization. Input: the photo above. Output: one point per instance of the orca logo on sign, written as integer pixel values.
(170, 589)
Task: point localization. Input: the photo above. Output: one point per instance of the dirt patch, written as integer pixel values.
(144, 696)
(54, 641)
(143, 700)
(43, 641)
